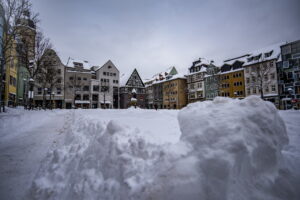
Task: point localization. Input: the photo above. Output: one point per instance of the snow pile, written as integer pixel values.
(229, 149)
(237, 145)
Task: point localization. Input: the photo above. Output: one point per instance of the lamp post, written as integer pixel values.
(104, 89)
(44, 97)
(52, 99)
(24, 93)
(30, 93)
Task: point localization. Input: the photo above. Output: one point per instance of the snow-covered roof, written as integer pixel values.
(176, 76)
(72, 61)
(161, 75)
(124, 78)
(109, 62)
(267, 53)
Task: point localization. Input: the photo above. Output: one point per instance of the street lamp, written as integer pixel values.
(30, 92)
(104, 89)
(52, 99)
(44, 97)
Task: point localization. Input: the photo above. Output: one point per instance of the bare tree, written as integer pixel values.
(47, 76)
(34, 59)
(259, 75)
(12, 13)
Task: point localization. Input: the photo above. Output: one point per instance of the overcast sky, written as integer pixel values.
(152, 35)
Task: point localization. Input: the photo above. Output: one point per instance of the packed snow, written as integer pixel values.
(221, 149)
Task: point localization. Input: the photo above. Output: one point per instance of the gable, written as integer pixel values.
(109, 65)
(135, 80)
(173, 71)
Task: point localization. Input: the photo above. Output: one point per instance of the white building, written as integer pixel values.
(106, 86)
(261, 73)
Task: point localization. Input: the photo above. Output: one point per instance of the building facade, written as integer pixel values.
(289, 75)
(78, 77)
(212, 81)
(261, 74)
(174, 92)
(27, 36)
(106, 86)
(195, 81)
(49, 90)
(232, 80)
(154, 88)
(132, 88)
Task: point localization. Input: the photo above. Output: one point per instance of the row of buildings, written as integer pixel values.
(273, 73)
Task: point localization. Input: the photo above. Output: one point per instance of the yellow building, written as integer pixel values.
(232, 80)
(11, 76)
(175, 92)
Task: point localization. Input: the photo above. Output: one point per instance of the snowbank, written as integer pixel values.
(229, 149)
(237, 145)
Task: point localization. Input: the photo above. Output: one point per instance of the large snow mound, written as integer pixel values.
(229, 149)
(238, 146)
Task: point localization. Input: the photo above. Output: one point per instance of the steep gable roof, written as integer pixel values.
(126, 77)
(108, 63)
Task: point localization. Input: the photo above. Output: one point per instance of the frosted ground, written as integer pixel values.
(225, 149)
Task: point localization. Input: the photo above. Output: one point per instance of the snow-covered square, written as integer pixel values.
(221, 149)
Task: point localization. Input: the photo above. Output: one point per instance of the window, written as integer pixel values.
(58, 90)
(247, 70)
(104, 73)
(253, 79)
(266, 88)
(254, 90)
(273, 76)
(248, 80)
(192, 86)
(266, 77)
(79, 78)
(84, 78)
(200, 85)
(59, 80)
(109, 67)
(39, 90)
(86, 88)
(248, 91)
(86, 97)
(273, 88)
(58, 71)
(96, 88)
(71, 78)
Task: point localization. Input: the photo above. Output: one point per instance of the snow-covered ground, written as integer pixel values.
(225, 149)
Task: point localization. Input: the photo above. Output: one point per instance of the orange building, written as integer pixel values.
(232, 80)
(175, 92)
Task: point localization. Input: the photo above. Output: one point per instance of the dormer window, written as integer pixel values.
(250, 59)
(268, 54)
